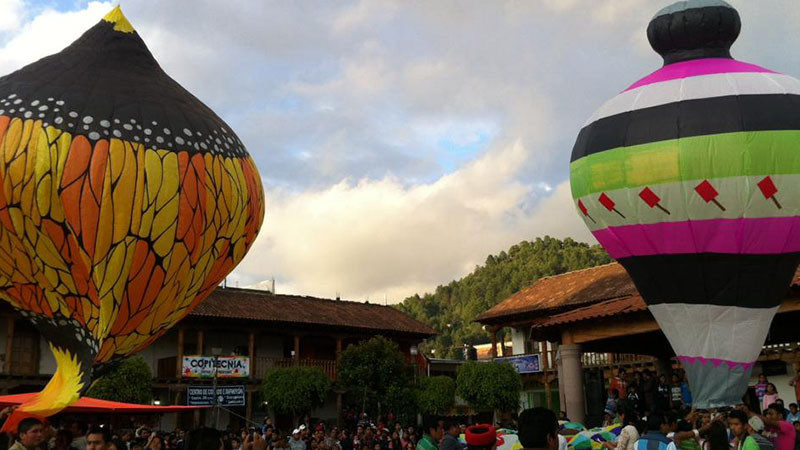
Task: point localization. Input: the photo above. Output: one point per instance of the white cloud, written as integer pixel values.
(11, 14)
(376, 237)
(47, 33)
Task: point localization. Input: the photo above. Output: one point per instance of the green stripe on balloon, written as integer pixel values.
(694, 158)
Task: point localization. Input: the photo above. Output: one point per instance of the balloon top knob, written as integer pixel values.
(694, 29)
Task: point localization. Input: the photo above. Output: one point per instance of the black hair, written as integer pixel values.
(793, 404)
(27, 423)
(103, 432)
(654, 422)
(631, 418)
(738, 415)
(778, 408)
(718, 437)
(119, 444)
(535, 425)
(203, 439)
(430, 423)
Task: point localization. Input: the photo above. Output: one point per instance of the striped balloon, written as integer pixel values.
(689, 179)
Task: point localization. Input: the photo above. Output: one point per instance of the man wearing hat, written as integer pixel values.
(297, 442)
(755, 426)
(481, 437)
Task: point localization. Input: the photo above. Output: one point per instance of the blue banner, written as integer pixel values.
(523, 363)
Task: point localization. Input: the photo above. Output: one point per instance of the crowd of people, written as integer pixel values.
(655, 414)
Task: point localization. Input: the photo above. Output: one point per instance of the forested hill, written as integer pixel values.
(452, 307)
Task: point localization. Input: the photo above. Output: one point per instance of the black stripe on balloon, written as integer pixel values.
(751, 281)
(688, 118)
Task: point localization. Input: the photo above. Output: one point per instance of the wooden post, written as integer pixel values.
(179, 367)
(548, 398)
(494, 342)
(251, 351)
(249, 407)
(503, 346)
(297, 350)
(9, 343)
(200, 346)
(338, 347)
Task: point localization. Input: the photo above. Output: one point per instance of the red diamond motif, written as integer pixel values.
(649, 197)
(707, 191)
(607, 202)
(767, 187)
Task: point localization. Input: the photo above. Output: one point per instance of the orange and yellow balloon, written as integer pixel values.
(124, 201)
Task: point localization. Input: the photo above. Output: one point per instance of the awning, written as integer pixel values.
(94, 405)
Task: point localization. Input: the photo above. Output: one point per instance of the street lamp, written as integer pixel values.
(216, 351)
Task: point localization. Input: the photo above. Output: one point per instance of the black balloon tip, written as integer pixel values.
(694, 29)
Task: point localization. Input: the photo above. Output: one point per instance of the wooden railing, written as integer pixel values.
(263, 364)
(612, 359)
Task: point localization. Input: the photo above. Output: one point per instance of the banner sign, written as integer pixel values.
(227, 366)
(227, 395)
(523, 363)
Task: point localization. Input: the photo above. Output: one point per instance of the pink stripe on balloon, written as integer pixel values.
(772, 235)
(695, 68)
(716, 361)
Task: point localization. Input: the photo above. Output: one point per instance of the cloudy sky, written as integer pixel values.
(399, 142)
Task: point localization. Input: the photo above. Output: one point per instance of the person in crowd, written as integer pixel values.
(538, 429)
(634, 401)
(676, 398)
(204, 439)
(433, 432)
(619, 383)
(780, 432)
(649, 389)
(155, 443)
(655, 436)
(611, 402)
(64, 440)
(79, 430)
(686, 393)
(629, 433)
(770, 397)
(296, 442)
(30, 435)
(747, 432)
(795, 382)
(663, 394)
(761, 389)
(98, 439)
(717, 437)
(119, 444)
(450, 438)
(481, 437)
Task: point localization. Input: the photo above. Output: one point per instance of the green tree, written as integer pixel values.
(489, 386)
(130, 382)
(452, 308)
(295, 390)
(375, 375)
(436, 395)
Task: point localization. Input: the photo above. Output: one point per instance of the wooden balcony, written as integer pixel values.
(262, 365)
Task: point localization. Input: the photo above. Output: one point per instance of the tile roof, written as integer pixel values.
(557, 292)
(296, 310)
(596, 292)
(613, 307)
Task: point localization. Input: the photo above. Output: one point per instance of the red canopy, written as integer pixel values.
(93, 405)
